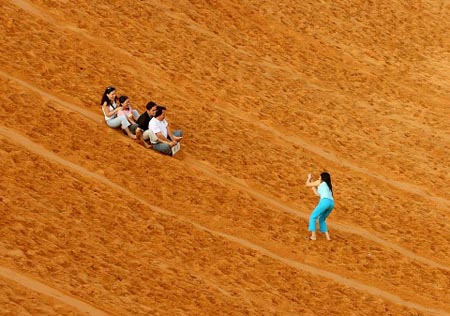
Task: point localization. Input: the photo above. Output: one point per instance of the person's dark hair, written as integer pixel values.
(150, 105)
(105, 98)
(122, 99)
(325, 177)
(159, 110)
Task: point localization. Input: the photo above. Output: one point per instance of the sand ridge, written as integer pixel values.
(76, 303)
(42, 288)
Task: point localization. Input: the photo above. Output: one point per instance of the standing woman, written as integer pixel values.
(110, 109)
(323, 188)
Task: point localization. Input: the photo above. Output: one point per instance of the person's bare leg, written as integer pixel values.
(139, 136)
(147, 145)
(129, 133)
(327, 236)
(313, 236)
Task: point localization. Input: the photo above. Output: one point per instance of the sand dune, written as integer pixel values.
(266, 92)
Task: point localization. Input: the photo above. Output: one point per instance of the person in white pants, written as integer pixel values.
(110, 109)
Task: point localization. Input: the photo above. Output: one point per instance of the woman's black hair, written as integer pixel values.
(105, 98)
(325, 177)
(150, 105)
(122, 99)
(159, 110)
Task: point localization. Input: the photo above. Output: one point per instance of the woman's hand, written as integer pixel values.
(310, 182)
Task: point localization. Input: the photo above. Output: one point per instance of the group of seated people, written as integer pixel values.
(149, 128)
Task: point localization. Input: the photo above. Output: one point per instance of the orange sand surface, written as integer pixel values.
(91, 223)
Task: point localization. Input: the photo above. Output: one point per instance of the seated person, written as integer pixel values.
(131, 114)
(143, 122)
(166, 139)
(110, 111)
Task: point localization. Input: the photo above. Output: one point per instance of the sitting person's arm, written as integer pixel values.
(163, 139)
(131, 119)
(133, 115)
(108, 112)
(173, 137)
(155, 127)
(128, 115)
(313, 184)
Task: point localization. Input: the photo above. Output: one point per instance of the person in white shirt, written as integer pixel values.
(166, 138)
(323, 188)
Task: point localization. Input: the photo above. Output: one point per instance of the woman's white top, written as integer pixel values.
(112, 107)
(324, 191)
